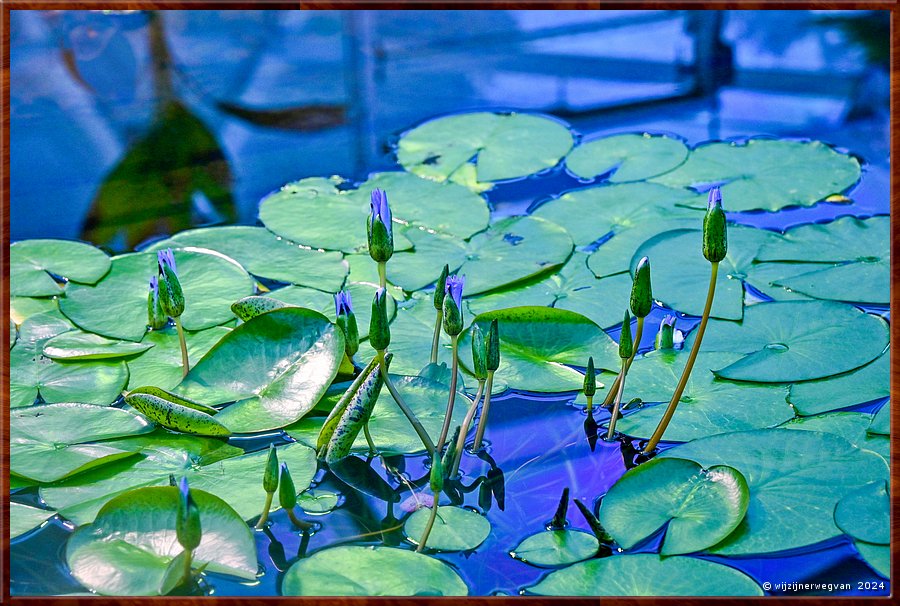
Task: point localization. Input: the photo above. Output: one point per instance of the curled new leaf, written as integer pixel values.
(175, 416)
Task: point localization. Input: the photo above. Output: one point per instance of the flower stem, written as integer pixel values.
(369, 438)
(185, 365)
(436, 341)
(265, 512)
(382, 274)
(429, 525)
(454, 375)
(479, 435)
(188, 560)
(590, 404)
(638, 333)
(301, 524)
(416, 424)
(686, 373)
(615, 412)
(461, 441)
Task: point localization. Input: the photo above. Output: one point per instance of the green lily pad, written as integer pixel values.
(881, 424)
(351, 570)
(852, 426)
(127, 549)
(455, 528)
(22, 308)
(698, 507)
(277, 366)
(266, 255)
(51, 442)
(503, 146)
(80, 345)
(317, 502)
(160, 365)
(787, 341)
(870, 382)
(117, 305)
(647, 574)
(24, 518)
(766, 277)
(631, 157)
(795, 478)
(865, 514)
(556, 548)
(876, 556)
(32, 261)
(615, 208)
(536, 343)
(765, 174)
(614, 255)
(13, 334)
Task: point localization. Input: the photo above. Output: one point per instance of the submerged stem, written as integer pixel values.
(410, 415)
(479, 435)
(429, 525)
(436, 341)
(615, 411)
(638, 333)
(461, 441)
(265, 512)
(185, 365)
(454, 375)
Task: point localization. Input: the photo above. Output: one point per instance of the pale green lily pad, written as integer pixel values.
(127, 549)
(24, 518)
(160, 366)
(865, 514)
(614, 255)
(870, 382)
(351, 570)
(48, 443)
(647, 574)
(881, 424)
(556, 548)
(504, 146)
(593, 212)
(80, 345)
(765, 174)
(455, 528)
(698, 507)
(631, 157)
(117, 306)
(266, 255)
(766, 277)
(31, 260)
(317, 502)
(852, 426)
(795, 478)
(876, 556)
(22, 308)
(787, 341)
(13, 334)
(277, 366)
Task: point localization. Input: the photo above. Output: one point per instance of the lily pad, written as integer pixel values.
(24, 518)
(795, 479)
(556, 548)
(852, 426)
(630, 157)
(647, 574)
(318, 502)
(765, 174)
(881, 424)
(787, 341)
(31, 263)
(160, 365)
(870, 382)
(766, 277)
(865, 514)
(117, 305)
(351, 570)
(80, 345)
(698, 507)
(876, 556)
(455, 528)
(502, 146)
(277, 366)
(265, 255)
(614, 255)
(22, 308)
(127, 550)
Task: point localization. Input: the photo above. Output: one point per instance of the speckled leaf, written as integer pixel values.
(32, 261)
(556, 547)
(630, 157)
(870, 382)
(455, 528)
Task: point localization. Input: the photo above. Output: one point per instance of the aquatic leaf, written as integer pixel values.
(870, 382)
(647, 574)
(51, 442)
(881, 424)
(765, 278)
(127, 549)
(22, 308)
(795, 478)
(765, 174)
(169, 412)
(160, 365)
(502, 146)
(556, 547)
(24, 518)
(80, 345)
(630, 157)
(614, 255)
(865, 514)
(13, 334)
(351, 570)
(852, 426)
(31, 263)
(117, 306)
(316, 501)
(698, 507)
(876, 556)
(265, 255)
(455, 528)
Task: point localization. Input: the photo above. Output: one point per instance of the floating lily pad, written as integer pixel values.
(31, 263)
(876, 556)
(870, 382)
(766, 277)
(852, 426)
(24, 518)
(865, 514)
(881, 424)
(630, 157)
(765, 174)
(127, 550)
(265, 255)
(371, 571)
(117, 306)
(160, 366)
(698, 507)
(318, 502)
(80, 345)
(22, 308)
(614, 255)
(502, 146)
(455, 528)
(647, 574)
(789, 341)
(556, 548)
(795, 478)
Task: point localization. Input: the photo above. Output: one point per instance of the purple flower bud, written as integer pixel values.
(166, 259)
(343, 305)
(381, 210)
(454, 288)
(715, 198)
(183, 488)
(154, 286)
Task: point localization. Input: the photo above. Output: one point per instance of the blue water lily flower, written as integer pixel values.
(346, 319)
(453, 321)
(171, 295)
(343, 304)
(379, 228)
(156, 316)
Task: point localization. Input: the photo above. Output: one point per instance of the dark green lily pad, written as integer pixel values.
(795, 477)
(787, 341)
(127, 550)
(32, 261)
(876, 556)
(765, 174)
(80, 345)
(160, 365)
(698, 507)
(503, 146)
(870, 382)
(351, 570)
(117, 306)
(852, 426)
(455, 528)
(631, 157)
(881, 424)
(647, 574)
(24, 518)
(556, 547)
(865, 514)
(22, 308)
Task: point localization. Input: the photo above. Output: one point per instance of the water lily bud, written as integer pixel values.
(439, 287)
(436, 479)
(270, 476)
(665, 338)
(450, 453)
(479, 353)
(590, 379)
(379, 327)
(493, 346)
(287, 494)
(625, 344)
(346, 319)
(156, 317)
(453, 319)
(187, 520)
(380, 230)
(715, 236)
(171, 297)
(641, 292)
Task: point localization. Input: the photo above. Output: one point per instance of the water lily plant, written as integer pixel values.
(380, 233)
(171, 298)
(270, 485)
(479, 360)
(665, 337)
(287, 498)
(436, 483)
(156, 317)
(453, 325)
(187, 526)
(346, 319)
(439, 292)
(492, 356)
(626, 353)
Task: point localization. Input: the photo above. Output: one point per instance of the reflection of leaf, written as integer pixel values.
(304, 118)
(151, 189)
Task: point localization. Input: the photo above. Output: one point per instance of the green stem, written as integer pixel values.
(436, 341)
(382, 274)
(428, 526)
(188, 560)
(369, 438)
(454, 375)
(479, 435)
(615, 411)
(185, 365)
(301, 524)
(637, 343)
(265, 512)
(416, 424)
(461, 441)
(686, 373)
(590, 404)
